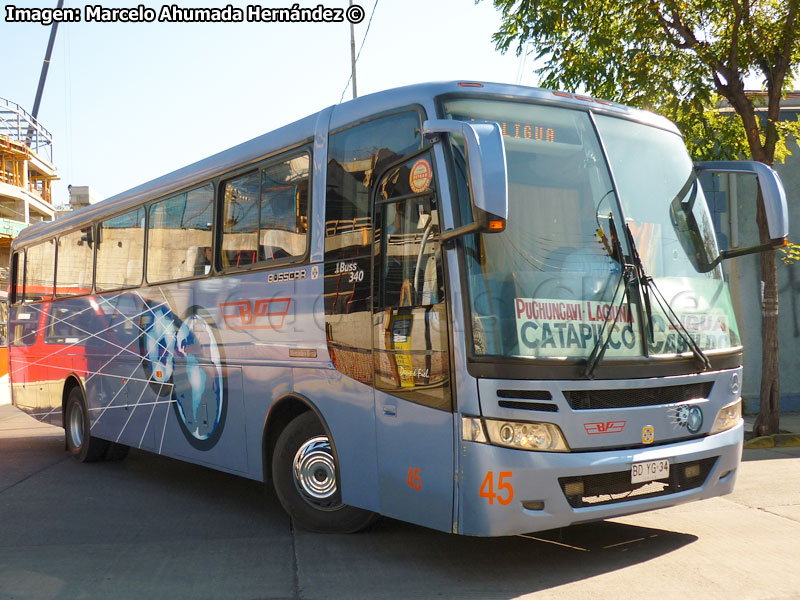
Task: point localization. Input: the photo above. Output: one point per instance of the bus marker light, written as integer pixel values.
(533, 505)
(469, 84)
(497, 225)
(472, 430)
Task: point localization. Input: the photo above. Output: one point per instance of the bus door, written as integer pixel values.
(413, 403)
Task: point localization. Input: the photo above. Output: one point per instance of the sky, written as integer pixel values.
(128, 102)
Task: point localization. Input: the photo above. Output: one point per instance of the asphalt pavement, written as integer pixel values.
(152, 527)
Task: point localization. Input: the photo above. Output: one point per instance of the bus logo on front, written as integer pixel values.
(604, 427)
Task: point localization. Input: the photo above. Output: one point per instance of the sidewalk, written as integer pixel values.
(789, 432)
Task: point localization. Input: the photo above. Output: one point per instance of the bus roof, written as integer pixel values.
(303, 130)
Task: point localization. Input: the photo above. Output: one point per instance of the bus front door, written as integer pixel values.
(413, 403)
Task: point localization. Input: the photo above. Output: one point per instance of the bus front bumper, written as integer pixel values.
(506, 492)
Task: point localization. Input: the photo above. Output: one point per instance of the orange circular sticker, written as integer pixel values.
(421, 175)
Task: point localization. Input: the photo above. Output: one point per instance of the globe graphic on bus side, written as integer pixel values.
(197, 378)
(183, 361)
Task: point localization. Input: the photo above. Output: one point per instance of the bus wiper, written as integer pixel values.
(646, 283)
(626, 279)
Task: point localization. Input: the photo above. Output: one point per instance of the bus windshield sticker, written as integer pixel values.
(550, 327)
(420, 177)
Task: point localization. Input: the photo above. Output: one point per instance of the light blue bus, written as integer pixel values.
(481, 308)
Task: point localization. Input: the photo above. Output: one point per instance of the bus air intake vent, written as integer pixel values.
(525, 394)
(611, 488)
(636, 397)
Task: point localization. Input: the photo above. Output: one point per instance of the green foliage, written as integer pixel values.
(791, 253)
(679, 58)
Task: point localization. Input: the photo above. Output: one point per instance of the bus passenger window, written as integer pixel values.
(265, 214)
(120, 252)
(179, 236)
(75, 257)
(40, 271)
(284, 209)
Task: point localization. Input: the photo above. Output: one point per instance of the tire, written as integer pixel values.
(313, 502)
(80, 443)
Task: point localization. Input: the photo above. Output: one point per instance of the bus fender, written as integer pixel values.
(281, 413)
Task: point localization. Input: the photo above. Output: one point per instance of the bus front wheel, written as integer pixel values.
(80, 443)
(304, 473)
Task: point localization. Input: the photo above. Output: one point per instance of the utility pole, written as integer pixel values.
(353, 56)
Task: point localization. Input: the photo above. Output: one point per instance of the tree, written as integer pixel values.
(679, 58)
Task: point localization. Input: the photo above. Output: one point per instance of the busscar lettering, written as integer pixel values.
(286, 276)
(43, 16)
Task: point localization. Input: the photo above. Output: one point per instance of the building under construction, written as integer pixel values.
(26, 174)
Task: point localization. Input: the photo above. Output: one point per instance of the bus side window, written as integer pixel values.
(284, 209)
(240, 221)
(356, 157)
(75, 257)
(120, 252)
(179, 236)
(40, 273)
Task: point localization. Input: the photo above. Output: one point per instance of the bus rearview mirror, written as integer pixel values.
(773, 196)
(772, 192)
(486, 164)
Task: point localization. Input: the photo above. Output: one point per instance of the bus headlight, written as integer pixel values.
(543, 437)
(727, 417)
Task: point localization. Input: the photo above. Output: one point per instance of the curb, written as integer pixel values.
(778, 440)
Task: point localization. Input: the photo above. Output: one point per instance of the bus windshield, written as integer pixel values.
(548, 285)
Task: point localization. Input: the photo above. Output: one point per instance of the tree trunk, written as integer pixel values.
(769, 413)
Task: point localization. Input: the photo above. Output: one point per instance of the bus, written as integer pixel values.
(481, 308)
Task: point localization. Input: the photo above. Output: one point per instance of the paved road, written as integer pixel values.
(151, 527)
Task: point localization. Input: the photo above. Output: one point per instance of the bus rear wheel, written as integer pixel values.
(80, 443)
(304, 473)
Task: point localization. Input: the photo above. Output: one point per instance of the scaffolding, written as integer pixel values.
(26, 152)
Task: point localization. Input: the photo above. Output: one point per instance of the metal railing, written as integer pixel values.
(18, 125)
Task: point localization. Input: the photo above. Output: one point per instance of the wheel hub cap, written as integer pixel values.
(315, 469)
(76, 425)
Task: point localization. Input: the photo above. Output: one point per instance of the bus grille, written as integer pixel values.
(636, 397)
(610, 488)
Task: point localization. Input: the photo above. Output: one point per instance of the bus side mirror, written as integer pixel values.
(772, 193)
(488, 178)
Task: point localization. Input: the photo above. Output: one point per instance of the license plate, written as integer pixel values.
(651, 470)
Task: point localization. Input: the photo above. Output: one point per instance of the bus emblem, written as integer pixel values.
(604, 427)
(648, 434)
(255, 314)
